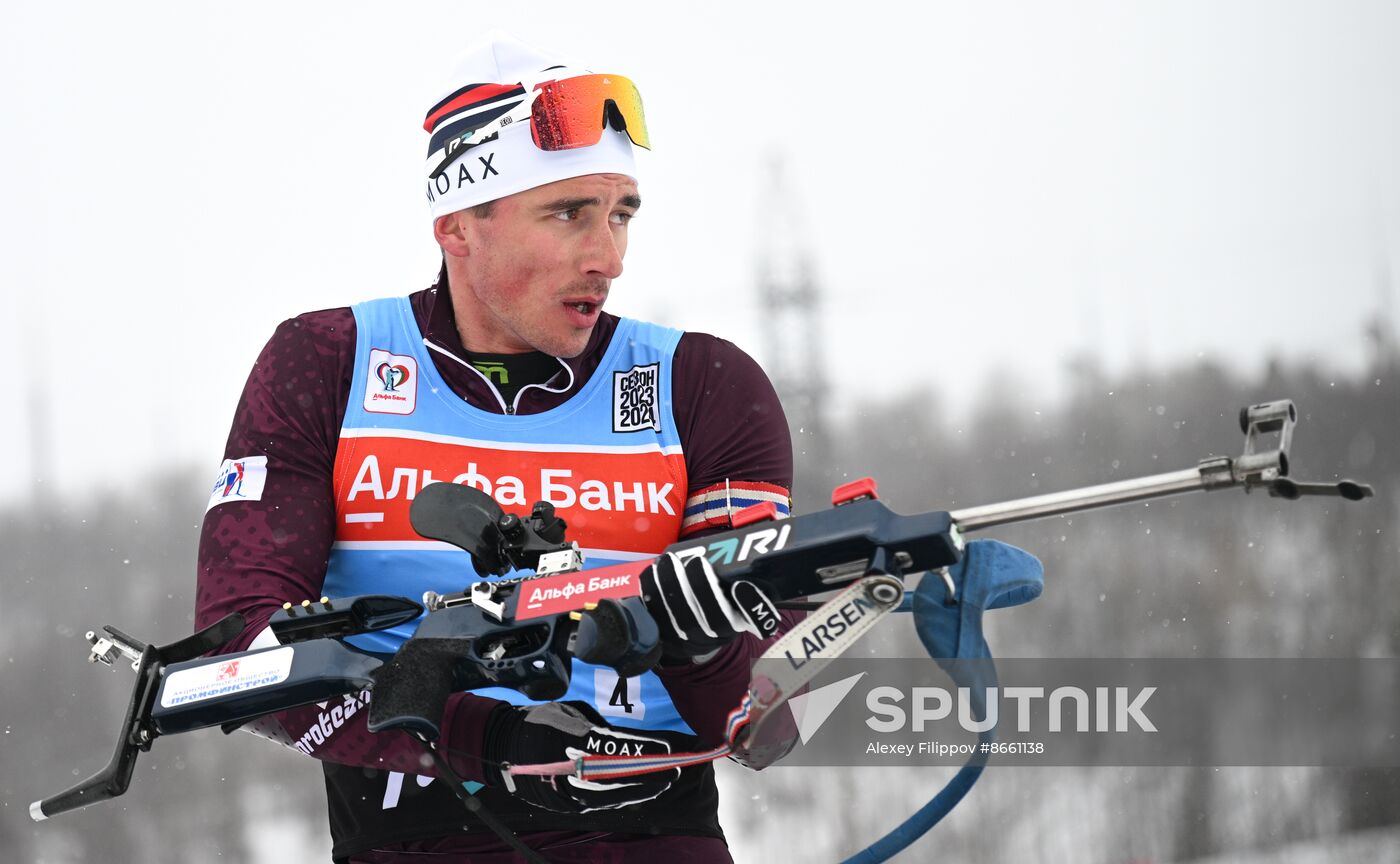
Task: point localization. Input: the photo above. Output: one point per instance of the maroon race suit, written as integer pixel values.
(256, 555)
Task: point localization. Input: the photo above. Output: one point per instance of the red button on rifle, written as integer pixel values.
(853, 491)
(765, 511)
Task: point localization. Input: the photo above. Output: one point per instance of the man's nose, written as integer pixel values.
(604, 254)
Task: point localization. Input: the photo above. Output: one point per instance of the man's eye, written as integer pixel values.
(623, 218)
(567, 215)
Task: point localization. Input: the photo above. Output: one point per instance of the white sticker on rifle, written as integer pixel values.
(227, 675)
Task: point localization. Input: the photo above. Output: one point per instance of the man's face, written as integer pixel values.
(537, 270)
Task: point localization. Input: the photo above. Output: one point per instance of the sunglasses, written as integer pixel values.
(564, 114)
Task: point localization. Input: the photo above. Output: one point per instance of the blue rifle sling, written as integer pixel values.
(991, 575)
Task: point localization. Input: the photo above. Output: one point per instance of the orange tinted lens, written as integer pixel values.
(572, 112)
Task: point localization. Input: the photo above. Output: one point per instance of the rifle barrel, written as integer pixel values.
(1088, 498)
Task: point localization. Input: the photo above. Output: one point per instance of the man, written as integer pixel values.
(506, 375)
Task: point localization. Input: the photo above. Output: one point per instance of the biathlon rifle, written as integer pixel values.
(523, 632)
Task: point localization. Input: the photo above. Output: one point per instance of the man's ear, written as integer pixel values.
(451, 235)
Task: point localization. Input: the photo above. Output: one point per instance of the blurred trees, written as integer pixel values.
(128, 561)
(1207, 575)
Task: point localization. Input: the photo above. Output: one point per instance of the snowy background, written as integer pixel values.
(1054, 244)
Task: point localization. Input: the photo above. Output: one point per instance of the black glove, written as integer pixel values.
(696, 613)
(555, 732)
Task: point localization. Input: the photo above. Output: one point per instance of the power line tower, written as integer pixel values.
(42, 487)
(791, 299)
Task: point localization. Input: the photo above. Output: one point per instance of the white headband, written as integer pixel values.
(511, 163)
